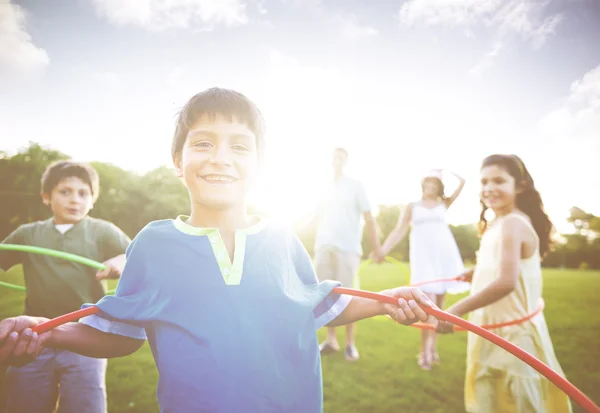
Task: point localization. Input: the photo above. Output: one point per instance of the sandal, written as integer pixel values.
(435, 358)
(327, 348)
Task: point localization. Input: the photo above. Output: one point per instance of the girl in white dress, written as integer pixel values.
(434, 253)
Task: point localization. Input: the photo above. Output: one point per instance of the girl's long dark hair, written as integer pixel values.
(528, 200)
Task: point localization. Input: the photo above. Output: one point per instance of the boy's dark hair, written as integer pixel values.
(59, 170)
(528, 200)
(217, 101)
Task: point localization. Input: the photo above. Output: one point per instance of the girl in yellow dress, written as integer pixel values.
(507, 285)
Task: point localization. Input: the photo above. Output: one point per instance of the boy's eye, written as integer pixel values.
(202, 144)
(240, 147)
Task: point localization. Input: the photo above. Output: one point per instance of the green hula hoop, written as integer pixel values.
(52, 253)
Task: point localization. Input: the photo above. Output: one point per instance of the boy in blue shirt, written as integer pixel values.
(229, 303)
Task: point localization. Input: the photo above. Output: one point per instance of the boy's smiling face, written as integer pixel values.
(218, 162)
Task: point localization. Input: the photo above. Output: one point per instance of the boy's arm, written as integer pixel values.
(115, 243)
(18, 345)
(333, 309)
(114, 268)
(88, 341)
(8, 258)
(407, 311)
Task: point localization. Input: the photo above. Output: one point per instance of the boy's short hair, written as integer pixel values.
(217, 101)
(59, 170)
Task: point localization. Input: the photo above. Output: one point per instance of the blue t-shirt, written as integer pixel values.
(226, 336)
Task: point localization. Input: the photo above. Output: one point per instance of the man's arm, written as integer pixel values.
(372, 231)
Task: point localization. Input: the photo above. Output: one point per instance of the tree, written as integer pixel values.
(20, 186)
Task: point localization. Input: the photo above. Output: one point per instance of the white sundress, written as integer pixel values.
(433, 251)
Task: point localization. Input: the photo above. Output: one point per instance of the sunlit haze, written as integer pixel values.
(403, 86)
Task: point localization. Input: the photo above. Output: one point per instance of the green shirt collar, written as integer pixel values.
(186, 228)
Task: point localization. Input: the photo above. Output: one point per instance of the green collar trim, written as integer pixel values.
(230, 271)
(186, 228)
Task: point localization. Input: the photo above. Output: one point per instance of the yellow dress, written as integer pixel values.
(497, 381)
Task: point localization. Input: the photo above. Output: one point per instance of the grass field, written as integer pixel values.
(387, 378)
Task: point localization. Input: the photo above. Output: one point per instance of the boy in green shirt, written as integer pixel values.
(55, 287)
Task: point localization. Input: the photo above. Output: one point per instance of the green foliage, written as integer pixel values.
(131, 200)
(127, 199)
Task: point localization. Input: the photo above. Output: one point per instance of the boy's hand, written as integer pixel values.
(408, 310)
(114, 268)
(18, 344)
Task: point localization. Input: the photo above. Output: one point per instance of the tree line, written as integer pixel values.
(131, 200)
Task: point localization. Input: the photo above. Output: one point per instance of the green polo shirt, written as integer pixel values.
(56, 286)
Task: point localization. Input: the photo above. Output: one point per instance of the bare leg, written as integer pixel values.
(427, 337)
(424, 354)
(330, 344)
(351, 350)
(350, 333)
(435, 358)
(331, 337)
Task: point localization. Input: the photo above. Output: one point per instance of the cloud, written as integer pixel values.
(17, 52)
(173, 14)
(578, 118)
(570, 143)
(506, 19)
(350, 28)
(176, 75)
(487, 60)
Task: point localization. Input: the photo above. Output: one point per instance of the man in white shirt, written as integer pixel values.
(338, 241)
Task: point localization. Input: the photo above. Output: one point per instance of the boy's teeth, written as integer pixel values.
(219, 178)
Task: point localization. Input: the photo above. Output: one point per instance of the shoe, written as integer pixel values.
(352, 353)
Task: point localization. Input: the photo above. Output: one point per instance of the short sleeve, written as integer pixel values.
(9, 258)
(133, 304)
(362, 200)
(327, 305)
(114, 242)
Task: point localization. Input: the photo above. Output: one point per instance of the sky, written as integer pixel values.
(405, 86)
